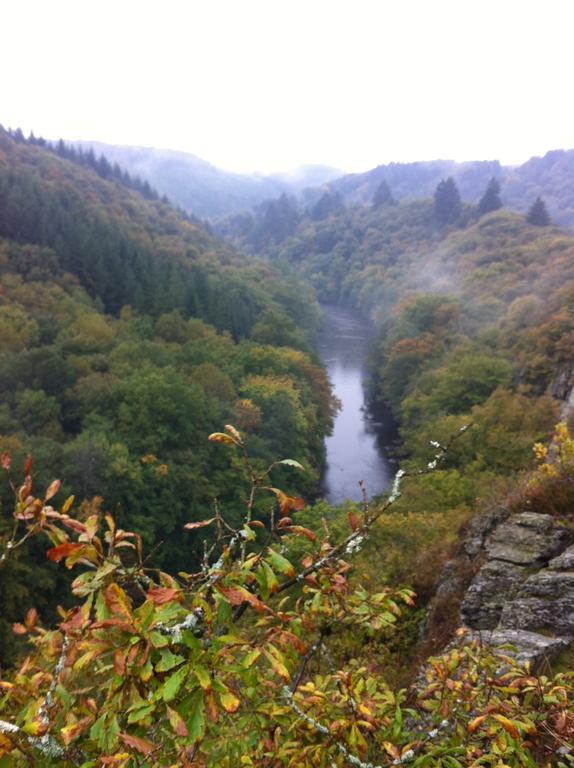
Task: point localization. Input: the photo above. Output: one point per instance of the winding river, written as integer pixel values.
(356, 449)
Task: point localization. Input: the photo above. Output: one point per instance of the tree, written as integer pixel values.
(490, 201)
(327, 205)
(383, 195)
(537, 214)
(447, 204)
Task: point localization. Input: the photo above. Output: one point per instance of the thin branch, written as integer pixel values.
(308, 656)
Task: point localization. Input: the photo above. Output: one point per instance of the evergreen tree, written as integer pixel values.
(383, 195)
(447, 204)
(537, 214)
(490, 201)
(326, 206)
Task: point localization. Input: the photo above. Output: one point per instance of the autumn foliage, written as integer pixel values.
(242, 663)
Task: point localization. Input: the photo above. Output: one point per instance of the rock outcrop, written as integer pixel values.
(522, 593)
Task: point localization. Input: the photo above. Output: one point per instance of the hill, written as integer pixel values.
(199, 187)
(550, 177)
(127, 334)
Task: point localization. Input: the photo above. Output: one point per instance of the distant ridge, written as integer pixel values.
(201, 188)
(550, 177)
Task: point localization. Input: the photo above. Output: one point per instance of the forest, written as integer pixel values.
(173, 592)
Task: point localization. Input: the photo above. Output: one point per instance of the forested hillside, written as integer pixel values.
(127, 334)
(549, 176)
(199, 187)
(475, 320)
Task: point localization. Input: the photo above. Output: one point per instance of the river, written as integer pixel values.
(356, 449)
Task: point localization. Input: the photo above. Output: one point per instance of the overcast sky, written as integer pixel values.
(272, 84)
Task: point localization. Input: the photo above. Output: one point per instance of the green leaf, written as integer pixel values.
(141, 713)
(168, 660)
(170, 688)
(193, 713)
(251, 658)
(203, 676)
(292, 463)
(280, 564)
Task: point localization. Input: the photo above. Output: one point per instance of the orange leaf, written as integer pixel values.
(229, 701)
(117, 601)
(163, 595)
(220, 437)
(392, 750)
(53, 489)
(211, 706)
(476, 723)
(141, 745)
(19, 629)
(508, 726)
(63, 550)
(240, 595)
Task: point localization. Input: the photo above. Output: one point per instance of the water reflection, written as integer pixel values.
(354, 450)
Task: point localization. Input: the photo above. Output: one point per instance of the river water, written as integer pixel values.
(356, 449)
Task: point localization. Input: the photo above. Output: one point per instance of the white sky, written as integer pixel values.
(271, 84)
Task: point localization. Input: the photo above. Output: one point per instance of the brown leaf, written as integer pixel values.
(31, 618)
(233, 432)
(177, 723)
(299, 530)
(200, 524)
(6, 460)
(119, 663)
(28, 464)
(25, 489)
(354, 520)
(141, 745)
(74, 525)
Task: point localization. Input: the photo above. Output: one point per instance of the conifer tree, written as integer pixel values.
(383, 195)
(538, 214)
(447, 204)
(490, 201)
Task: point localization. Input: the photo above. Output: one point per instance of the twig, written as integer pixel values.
(310, 653)
(43, 712)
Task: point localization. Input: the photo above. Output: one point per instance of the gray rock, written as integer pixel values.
(479, 529)
(565, 561)
(495, 583)
(544, 602)
(529, 646)
(529, 539)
